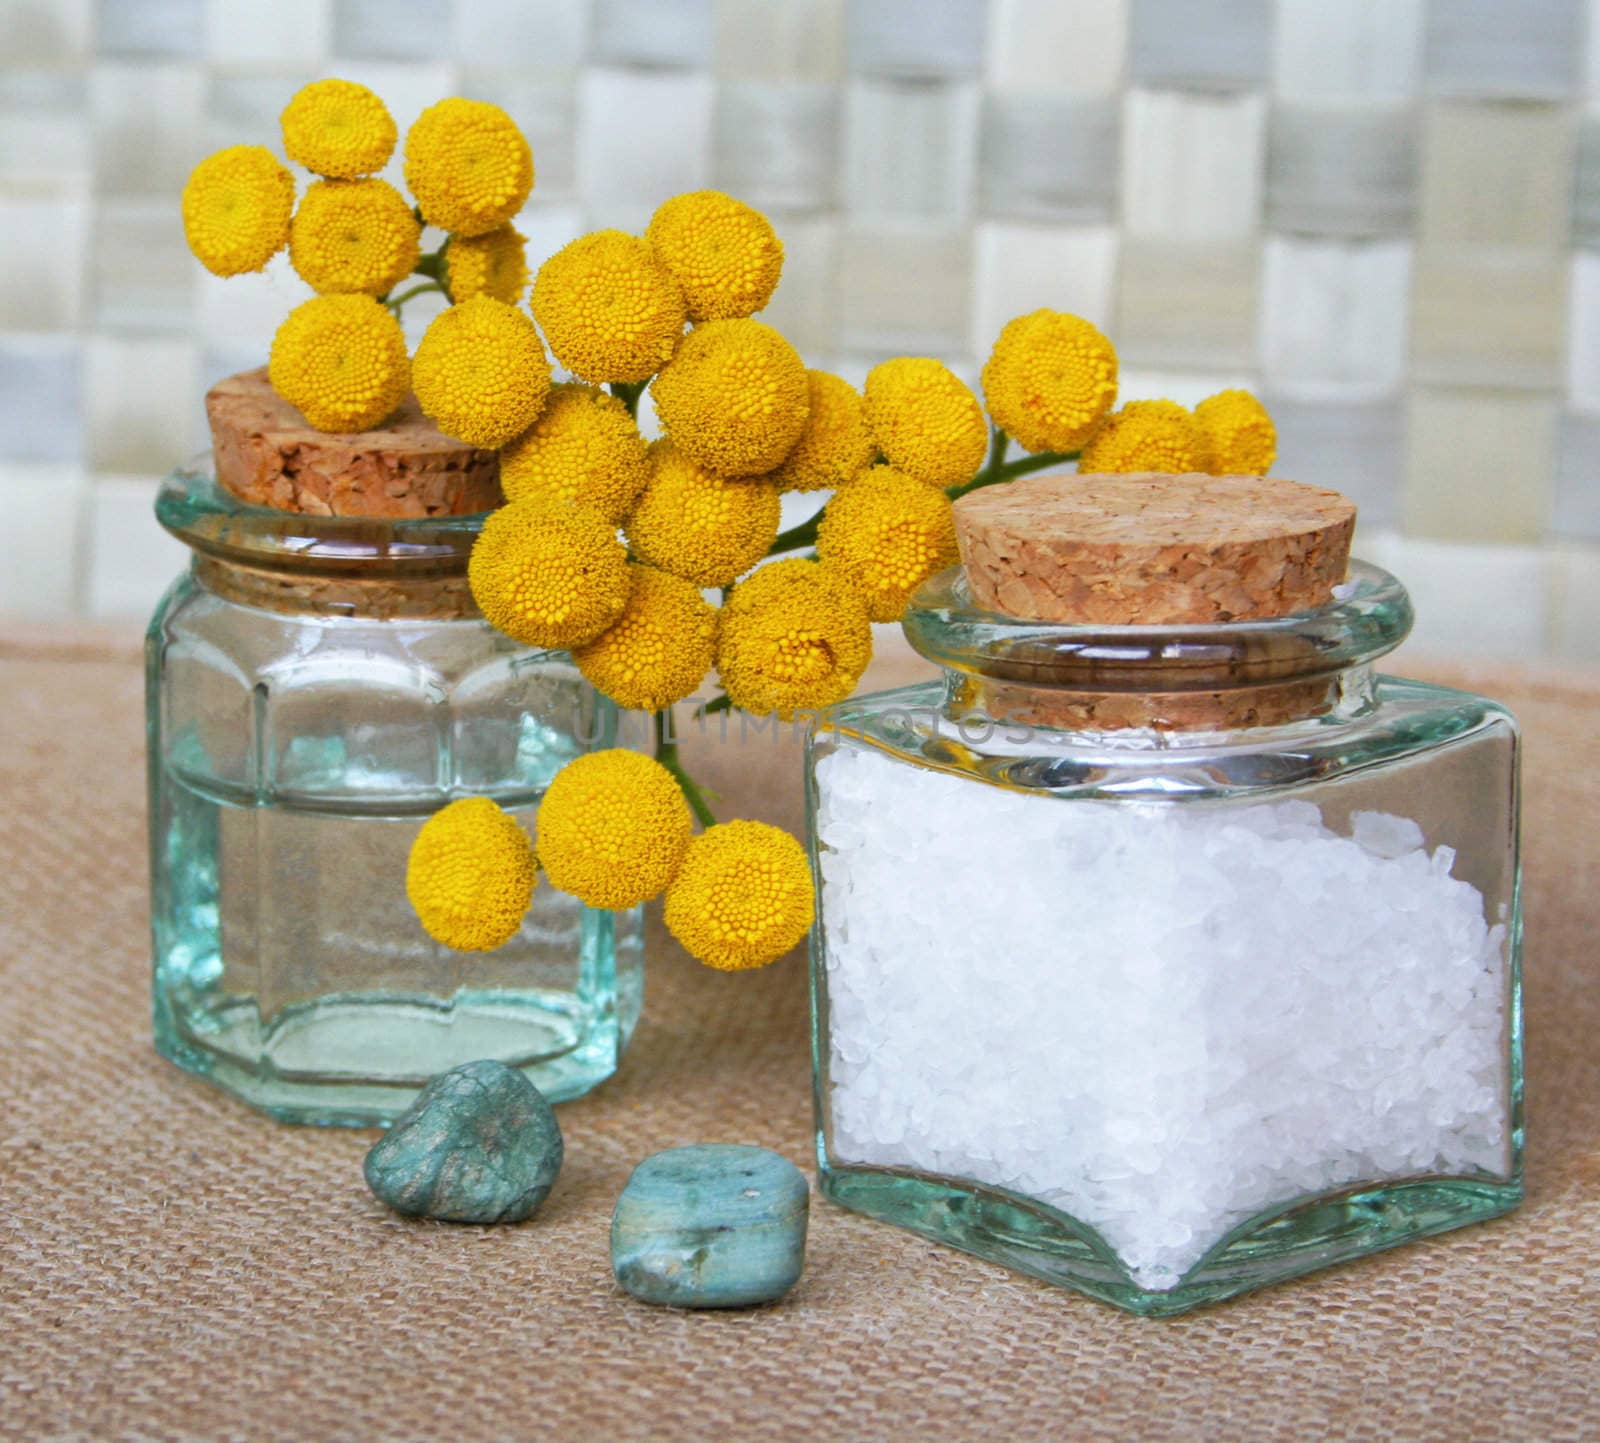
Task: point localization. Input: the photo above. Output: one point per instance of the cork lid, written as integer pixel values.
(267, 454)
(1152, 550)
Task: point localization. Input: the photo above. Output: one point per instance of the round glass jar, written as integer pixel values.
(317, 687)
(1165, 962)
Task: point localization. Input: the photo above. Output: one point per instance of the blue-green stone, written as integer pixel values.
(479, 1145)
(711, 1226)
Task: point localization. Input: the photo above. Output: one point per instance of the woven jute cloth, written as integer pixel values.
(175, 1266)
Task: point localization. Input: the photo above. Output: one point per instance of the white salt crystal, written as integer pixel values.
(1161, 1019)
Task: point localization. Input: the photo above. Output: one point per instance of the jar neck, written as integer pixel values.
(446, 598)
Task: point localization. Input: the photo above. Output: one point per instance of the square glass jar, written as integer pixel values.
(1159, 1007)
(317, 687)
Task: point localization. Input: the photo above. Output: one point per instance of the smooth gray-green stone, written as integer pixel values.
(479, 1145)
(711, 1226)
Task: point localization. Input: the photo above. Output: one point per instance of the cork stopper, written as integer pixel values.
(267, 455)
(1151, 550)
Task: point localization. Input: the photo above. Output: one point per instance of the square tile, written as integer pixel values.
(138, 398)
(1187, 388)
(1328, 49)
(629, 159)
(776, 143)
(1586, 185)
(1470, 601)
(150, 27)
(1355, 447)
(523, 34)
(651, 32)
(56, 32)
(1497, 174)
(41, 398)
(1187, 306)
(1575, 512)
(1485, 47)
(286, 32)
(243, 313)
(910, 149)
(390, 29)
(1478, 465)
(1023, 267)
(146, 126)
(1047, 47)
(142, 274)
(1169, 43)
(803, 307)
(43, 507)
(1488, 315)
(544, 104)
(915, 37)
(903, 289)
(1046, 157)
(130, 561)
(45, 134)
(1583, 334)
(1191, 165)
(780, 40)
(1574, 603)
(1342, 168)
(1334, 317)
(244, 106)
(42, 281)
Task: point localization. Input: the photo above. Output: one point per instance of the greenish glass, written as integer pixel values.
(317, 687)
(1360, 743)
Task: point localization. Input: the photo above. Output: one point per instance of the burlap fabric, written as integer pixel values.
(174, 1266)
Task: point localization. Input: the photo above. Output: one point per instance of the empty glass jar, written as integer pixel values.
(1165, 962)
(317, 687)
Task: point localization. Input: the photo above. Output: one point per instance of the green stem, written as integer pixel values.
(796, 537)
(431, 264)
(395, 302)
(1010, 470)
(667, 755)
(628, 392)
(716, 704)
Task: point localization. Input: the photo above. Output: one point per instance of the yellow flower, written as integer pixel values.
(1240, 439)
(353, 235)
(338, 128)
(743, 896)
(885, 534)
(480, 372)
(613, 828)
(1049, 380)
(926, 420)
(734, 398)
(493, 264)
(794, 637)
(468, 166)
(1146, 436)
(342, 361)
(584, 447)
(549, 574)
(661, 647)
(471, 875)
(725, 255)
(610, 310)
(236, 206)
(698, 525)
(834, 444)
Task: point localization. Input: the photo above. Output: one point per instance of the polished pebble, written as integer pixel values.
(715, 1225)
(479, 1145)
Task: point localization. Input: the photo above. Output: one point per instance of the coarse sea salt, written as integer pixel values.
(1162, 1019)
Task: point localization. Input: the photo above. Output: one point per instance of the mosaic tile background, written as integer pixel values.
(1384, 214)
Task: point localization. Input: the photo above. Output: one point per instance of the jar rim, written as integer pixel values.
(1369, 616)
(210, 519)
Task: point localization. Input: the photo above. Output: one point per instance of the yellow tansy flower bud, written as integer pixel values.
(725, 254)
(834, 444)
(584, 447)
(926, 420)
(471, 875)
(698, 525)
(236, 206)
(734, 398)
(610, 310)
(885, 534)
(1049, 380)
(1240, 439)
(353, 235)
(342, 361)
(493, 264)
(794, 637)
(468, 166)
(661, 647)
(613, 828)
(1146, 436)
(338, 128)
(480, 372)
(743, 896)
(549, 574)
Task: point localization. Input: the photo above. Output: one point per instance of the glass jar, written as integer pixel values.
(1165, 962)
(317, 686)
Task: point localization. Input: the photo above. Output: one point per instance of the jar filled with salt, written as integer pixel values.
(1164, 949)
